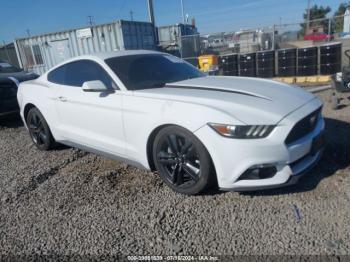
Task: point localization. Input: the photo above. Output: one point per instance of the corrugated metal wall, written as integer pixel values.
(138, 35)
(40, 53)
(8, 53)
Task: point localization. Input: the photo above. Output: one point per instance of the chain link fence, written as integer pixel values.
(305, 48)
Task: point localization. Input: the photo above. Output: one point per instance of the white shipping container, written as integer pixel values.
(40, 53)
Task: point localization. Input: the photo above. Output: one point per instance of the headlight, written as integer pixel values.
(243, 131)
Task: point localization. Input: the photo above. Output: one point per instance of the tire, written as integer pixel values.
(182, 161)
(39, 130)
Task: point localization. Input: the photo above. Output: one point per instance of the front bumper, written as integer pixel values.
(232, 157)
(293, 179)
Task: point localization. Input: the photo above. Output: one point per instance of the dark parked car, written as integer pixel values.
(10, 76)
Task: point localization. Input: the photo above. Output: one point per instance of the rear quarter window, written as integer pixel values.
(57, 76)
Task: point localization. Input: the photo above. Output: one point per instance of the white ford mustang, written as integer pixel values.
(158, 112)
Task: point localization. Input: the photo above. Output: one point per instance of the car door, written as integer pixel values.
(90, 119)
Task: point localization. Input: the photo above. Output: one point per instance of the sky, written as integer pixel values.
(44, 16)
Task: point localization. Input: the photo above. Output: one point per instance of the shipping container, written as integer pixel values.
(183, 39)
(169, 35)
(8, 53)
(40, 53)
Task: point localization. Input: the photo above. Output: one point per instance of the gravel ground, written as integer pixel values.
(68, 202)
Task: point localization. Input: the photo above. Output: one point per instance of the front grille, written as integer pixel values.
(303, 127)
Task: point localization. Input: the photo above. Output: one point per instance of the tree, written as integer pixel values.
(316, 12)
(338, 22)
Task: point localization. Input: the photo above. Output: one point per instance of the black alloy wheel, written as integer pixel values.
(39, 130)
(182, 161)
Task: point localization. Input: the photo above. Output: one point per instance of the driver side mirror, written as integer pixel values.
(94, 86)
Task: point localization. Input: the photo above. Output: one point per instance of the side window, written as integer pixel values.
(77, 73)
(57, 76)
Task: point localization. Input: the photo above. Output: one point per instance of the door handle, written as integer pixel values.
(62, 99)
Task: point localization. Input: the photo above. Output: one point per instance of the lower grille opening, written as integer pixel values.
(298, 161)
(255, 173)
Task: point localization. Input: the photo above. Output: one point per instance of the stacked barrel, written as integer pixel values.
(307, 61)
(265, 64)
(247, 65)
(330, 59)
(287, 62)
(229, 64)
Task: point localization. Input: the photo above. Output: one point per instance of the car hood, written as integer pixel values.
(250, 100)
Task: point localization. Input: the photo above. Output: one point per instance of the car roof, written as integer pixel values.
(101, 56)
(106, 55)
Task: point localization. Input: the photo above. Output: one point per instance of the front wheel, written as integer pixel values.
(182, 161)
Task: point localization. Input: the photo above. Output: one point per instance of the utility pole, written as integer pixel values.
(308, 16)
(183, 12)
(131, 15)
(151, 19)
(28, 32)
(150, 11)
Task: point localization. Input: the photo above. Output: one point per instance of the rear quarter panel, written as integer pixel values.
(42, 96)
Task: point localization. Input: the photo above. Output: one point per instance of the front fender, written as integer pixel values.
(143, 116)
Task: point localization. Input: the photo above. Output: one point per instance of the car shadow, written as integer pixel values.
(11, 121)
(336, 156)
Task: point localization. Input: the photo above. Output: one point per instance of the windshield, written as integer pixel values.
(7, 68)
(151, 70)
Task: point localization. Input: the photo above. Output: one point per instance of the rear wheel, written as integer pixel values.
(39, 130)
(182, 161)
